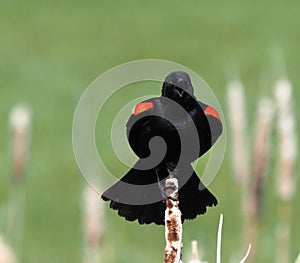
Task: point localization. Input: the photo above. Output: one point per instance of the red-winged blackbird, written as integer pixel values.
(182, 122)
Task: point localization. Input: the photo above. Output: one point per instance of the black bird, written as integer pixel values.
(188, 128)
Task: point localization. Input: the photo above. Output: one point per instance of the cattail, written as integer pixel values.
(173, 224)
(283, 240)
(238, 120)
(287, 156)
(6, 254)
(261, 153)
(93, 225)
(20, 118)
(20, 122)
(262, 138)
(287, 139)
(195, 254)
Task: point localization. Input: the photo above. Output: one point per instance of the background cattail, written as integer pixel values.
(262, 139)
(240, 150)
(261, 150)
(93, 225)
(6, 254)
(238, 123)
(287, 155)
(195, 253)
(20, 122)
(250, 178)
(287, 139)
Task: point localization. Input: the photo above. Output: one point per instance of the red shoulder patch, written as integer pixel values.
(143, 106)
(212, 112)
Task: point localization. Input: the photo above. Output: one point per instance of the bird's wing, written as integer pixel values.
(208, 124)
(138, 127)
(151, 119)
(215, 122)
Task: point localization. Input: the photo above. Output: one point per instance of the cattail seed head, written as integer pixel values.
(262, 140)
(19, 118)
(93, 218)
(6, 254)
(195, 253)
(237, 115)
(287, 139)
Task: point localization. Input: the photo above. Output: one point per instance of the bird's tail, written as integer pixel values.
(133, 197)
(192, 200)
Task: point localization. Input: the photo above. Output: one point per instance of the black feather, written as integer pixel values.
(167, 122)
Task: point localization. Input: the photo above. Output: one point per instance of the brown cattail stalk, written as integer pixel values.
(261, 152)
(287, 156)
(260, 160)
(20, 120)
(173, 224)
(6, 254)
(20, 124)
(195, 254)
(283, 237)
(238, 121)
(287, 139)
(240, 138)
(93, 225)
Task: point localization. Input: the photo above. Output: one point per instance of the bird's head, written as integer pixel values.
(177, 86)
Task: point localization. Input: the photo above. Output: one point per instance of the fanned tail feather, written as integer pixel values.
(192, 200)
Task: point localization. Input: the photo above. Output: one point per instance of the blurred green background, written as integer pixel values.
(50, 51)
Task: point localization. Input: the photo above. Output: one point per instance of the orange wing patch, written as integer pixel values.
(212, 112)
(143, 106)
